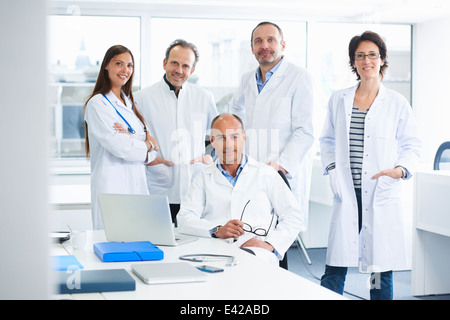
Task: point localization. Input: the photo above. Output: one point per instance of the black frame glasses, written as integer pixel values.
(372, 56)
(258, 231)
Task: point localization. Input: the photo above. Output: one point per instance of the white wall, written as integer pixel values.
(23, 163)
(431, 85)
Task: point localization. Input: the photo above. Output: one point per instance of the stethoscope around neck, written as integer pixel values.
(130, 128)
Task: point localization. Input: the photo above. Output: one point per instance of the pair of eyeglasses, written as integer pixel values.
(361, 56)
(258, 231)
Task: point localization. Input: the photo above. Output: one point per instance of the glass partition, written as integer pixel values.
(77, 45)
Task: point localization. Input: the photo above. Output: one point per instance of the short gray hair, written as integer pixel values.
(184, 44)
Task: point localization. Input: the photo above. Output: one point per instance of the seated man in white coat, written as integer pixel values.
(240, 199)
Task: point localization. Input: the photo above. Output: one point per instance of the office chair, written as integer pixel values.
(284, 263)
(442, 156)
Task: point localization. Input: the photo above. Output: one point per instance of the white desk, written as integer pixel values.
(250, 279)
(431, 256)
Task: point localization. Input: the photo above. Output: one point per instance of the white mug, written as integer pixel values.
(78, 239)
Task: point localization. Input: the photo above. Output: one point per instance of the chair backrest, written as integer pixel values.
(283, 263)
(442, 156)
(284, 178)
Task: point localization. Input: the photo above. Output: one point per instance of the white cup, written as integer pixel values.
(78, 239)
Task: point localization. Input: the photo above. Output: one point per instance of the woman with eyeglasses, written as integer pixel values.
(117, 141)
(368, 145)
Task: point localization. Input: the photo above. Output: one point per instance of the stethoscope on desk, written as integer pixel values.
(210, 257)
(130, 128)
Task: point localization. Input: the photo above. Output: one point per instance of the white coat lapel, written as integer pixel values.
(276, 78)
(349, 97)
(119, 104)
(272, 83)
(217, 175)
(254, 85)
(379, 98)
(219, 178)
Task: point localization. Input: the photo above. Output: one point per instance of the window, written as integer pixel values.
(77, 45)
(224, 48)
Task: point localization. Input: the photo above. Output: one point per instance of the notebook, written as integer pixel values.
(131, 217)
(86, 281)
(173, 272)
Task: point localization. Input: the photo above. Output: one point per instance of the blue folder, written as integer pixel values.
(127, 251)
(66, 262)
(85, 281)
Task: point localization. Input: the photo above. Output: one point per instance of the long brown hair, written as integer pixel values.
(103, 86)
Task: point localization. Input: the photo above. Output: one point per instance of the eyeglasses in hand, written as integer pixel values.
(258, 231)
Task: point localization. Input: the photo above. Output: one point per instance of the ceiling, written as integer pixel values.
(372, 11)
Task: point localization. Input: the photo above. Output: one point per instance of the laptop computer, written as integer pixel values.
(131, 217)
(173, 272)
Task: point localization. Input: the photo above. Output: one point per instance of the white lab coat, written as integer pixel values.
(212, 200)
(278, 123)
(390, 139)
(180, 126)
(117, 159)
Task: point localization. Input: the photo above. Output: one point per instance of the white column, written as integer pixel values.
(24, 256)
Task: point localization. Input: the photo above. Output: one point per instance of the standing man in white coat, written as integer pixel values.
(240, 199)
(276, 104)
(178, 114)
(368, 145)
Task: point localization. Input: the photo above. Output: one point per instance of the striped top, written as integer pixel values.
(357, 144)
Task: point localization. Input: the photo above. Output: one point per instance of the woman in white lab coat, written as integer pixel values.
(117, 156)
(368, 144)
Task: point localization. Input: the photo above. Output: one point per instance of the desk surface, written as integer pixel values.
(250, 279)
(431, 256)
(432, 201)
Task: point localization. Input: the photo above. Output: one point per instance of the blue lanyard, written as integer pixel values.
(129, 126)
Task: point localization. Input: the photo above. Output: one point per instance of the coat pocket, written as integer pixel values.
(160, 175)
(387, 190)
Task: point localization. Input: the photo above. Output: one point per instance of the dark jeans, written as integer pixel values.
(359, 201)
(381, 285)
